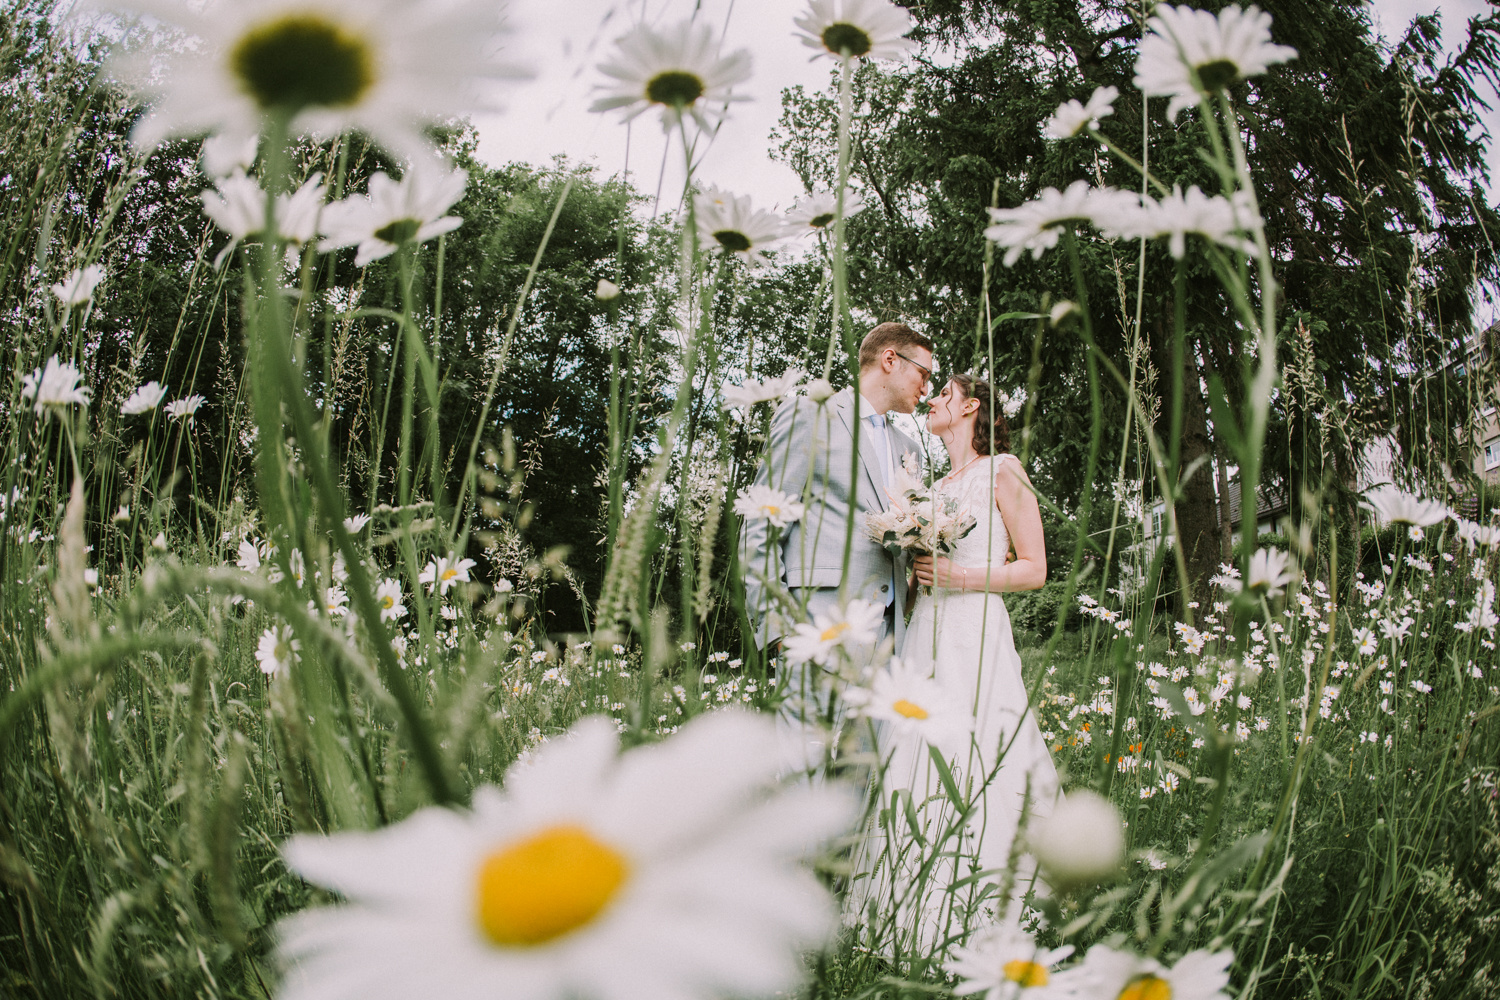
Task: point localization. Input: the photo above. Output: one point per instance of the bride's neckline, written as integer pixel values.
(953, 476)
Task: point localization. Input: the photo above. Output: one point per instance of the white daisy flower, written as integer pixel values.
(855, 28)
(914, 706)
(1081, 841)
(1004, 963)
(248, 556)
(395, 212)
(817, 212)
(853, 629)
(387, 68)
(756, 391)
(1396, 506)
(441, 573)
(1269, 572)
(223, 155)
(606, 290)
(1222, 220)
(388, 596)
(238, 206)
(1072, 118)
(731, 223)
(335, 601)
(678, 70)
(54, 384)
(1120, 975)
(820, 390)
(666, 871)
(78, 287)
(1036, 225)
(355, 524)
(146, 398)
(185, 407)
(781, 509)
(277, 651)
(1188, 54)
(1474, 534)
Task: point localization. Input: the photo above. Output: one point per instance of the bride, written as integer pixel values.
(925, 892)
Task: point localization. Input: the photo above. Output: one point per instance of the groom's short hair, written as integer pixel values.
(886, 336)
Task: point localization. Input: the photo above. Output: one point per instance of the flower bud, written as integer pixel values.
(819, 390)
(1082, 841)
(607, 290)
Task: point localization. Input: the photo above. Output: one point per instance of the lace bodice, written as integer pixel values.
(974, 487)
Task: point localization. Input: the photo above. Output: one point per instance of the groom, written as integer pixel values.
(810, 455)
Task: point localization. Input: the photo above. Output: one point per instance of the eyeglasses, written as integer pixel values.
(926, 372)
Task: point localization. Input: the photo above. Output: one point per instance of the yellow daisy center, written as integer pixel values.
(303, 60)
(772, 510)
(449, 573)
(1025, 974)
(547, 885)
(843, 37)
(832, 632)
(674, 87)
(909, 709)
(1147, 987)
(387, 602)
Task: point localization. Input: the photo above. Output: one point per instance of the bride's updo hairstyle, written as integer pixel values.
(989, 424)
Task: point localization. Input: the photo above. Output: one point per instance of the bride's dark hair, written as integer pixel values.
(989, 425)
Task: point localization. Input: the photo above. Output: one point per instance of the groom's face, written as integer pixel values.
(909, 378)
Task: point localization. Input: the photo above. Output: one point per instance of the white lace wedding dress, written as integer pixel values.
(964, 638)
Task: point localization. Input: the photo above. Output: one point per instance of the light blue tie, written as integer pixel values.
(882, 450)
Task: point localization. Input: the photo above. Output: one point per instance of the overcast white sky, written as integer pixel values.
(564, 40)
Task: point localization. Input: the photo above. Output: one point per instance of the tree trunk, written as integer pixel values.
(1198, 506)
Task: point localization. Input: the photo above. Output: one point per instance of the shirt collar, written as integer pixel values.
(867, 409)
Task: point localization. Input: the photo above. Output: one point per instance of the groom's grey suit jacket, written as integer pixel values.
(810, 455)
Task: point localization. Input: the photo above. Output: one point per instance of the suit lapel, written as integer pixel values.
(845, 410)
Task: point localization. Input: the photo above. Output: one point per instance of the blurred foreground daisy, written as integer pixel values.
(1080, 842)
(754, 391)
(678, 70)
(855, 29)
(781, 509)
(237, 205)
(1037, 225)
(1119, 975)
(853, 629)
(144, 399)
(1396, 506)
(818, 211)
(1072, 118)
(667, 871)
(1188, 54)
(395, 213)
(78, 287)
(386, 68)
(735, 225)
(1004, 963)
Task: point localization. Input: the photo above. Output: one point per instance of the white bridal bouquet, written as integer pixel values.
(919, 519)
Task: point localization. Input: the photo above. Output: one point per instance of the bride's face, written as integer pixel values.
(948, 409)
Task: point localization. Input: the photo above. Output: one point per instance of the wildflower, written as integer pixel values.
(1268, 572)
(1213, 217)
(677, 70)
(1036, 225)
(855, 29)
(1394, 506)
(78, 287)
(1072, 117)
(733, 224)
(354, 525)
(335, 601)
(1004, 963)
(1169, 782)
(185, 407)
(388, 597)
(1472, 534)
(914, 706)
(775, 506)
(856, 627)
(754, 391)
(1188, 54)
(820, 390)
(504, 586)
(395, 213)
(1198, 975)
(607, 290)
(1153, 861)
(143, 399)
(819, 210)
(223, 155)
(1081, 841)
(441, 573)
(56, 384)
(1420, 687)
(571, 882)
(277, 651)
(387, 69)
(237, 205)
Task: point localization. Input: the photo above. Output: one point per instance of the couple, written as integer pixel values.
(959, 632)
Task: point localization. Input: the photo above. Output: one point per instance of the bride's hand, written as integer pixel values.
(938, 571)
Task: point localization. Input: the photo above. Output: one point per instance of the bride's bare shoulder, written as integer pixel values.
(1009, 472)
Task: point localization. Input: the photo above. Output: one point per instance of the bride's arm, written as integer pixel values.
(1023, 520)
